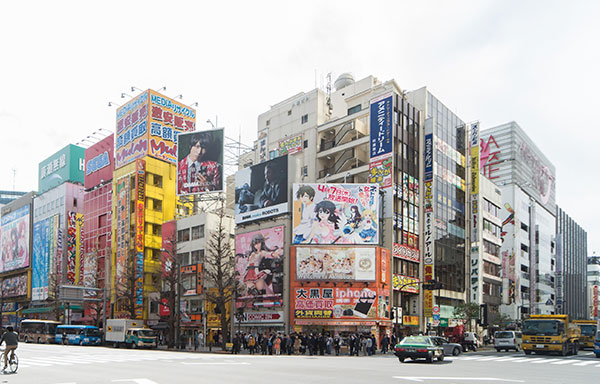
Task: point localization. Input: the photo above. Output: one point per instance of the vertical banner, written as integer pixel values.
(74, 222)
(122, 241)
(39, 269)
(381, 121)
(428, 246)
(140, 182)
(474, 143)
(79, 261)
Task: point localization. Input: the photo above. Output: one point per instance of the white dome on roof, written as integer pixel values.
(343, 80)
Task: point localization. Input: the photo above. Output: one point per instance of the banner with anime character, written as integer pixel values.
(259, 267)
(336, 214)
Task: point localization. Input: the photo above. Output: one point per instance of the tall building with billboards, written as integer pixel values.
(527, 180)
(445, 257)
(593, 283)
(571, 267)
(15, 263)
(97, 219)
(359, 142)
(144, 195)
(57, 254)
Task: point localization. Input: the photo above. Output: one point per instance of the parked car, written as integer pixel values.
(419, 347)
(453, 349)
(507, 340)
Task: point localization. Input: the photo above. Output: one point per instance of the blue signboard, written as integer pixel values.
(428, 153)
(39, 273)
(381, 127)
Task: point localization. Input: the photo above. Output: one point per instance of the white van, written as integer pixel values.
(507, 340)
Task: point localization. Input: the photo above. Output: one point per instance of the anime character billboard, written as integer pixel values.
(336, 214)
(14, 239)
(259, 267)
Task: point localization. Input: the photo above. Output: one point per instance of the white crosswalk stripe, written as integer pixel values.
(560, 362)
(521, 359)
(586, 363)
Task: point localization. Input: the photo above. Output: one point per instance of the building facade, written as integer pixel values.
(593, 285)
(527, 180)
(571, 267)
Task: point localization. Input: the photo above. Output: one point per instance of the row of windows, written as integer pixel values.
(491, 269)
(491, 208)
(194, 257)
(406, 268)
(52, 205)
(491, 228)
(491, 248)
(197, 233)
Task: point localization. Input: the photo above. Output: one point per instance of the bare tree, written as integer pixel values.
(219, 269)
(125, 288)
(170, 281)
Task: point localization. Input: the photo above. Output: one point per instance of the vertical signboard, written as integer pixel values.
(74, 246)
(474, 143)
(380, 171)
(39, 270)
(122, 235)
(140, 182)
(381, 121)
(428, 247)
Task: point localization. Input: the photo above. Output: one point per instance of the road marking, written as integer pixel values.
(585, 363)
(137, 381)
(528, 359)
(490, 358)
(513, 358)
(565, 362)
(215, 363)
(472, 357)
(459, 379)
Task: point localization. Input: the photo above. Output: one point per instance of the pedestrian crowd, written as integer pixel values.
(312, 344)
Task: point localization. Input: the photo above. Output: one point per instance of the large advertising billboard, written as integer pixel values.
(336, 214)
(74, 247)
(45, 245)
(14, 235)
(122, 190)
(140, 181)
(261, 190)
(65, 165)
(335, 303)
(259, 267)
(99, 162)
(335, 263)
(167, 120)
(14, 286)
(149, 125)
(200, 162)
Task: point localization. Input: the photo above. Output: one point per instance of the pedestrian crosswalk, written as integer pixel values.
(583, 359)
(30, 358)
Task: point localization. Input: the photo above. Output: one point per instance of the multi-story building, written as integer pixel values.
(8, 196)
(144, 195)
(571, 267)
(593, 285)
(444, 212)
(97, 220)
(363, 132)
(15, 262)
(57, 256)
(486, 265)
(527, 180)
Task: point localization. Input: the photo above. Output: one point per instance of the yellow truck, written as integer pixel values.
(588, 330)
(550, 333)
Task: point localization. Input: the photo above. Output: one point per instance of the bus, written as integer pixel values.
(78, 335)
(37, 331)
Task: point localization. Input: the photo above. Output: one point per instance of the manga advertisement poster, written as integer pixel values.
(334, 303)
(335, 263)
(14, 286)
(74, 247)
(45, 246)
(15, 239)
(200, 162)
(336, 214)
(259, 267)
(261, 190)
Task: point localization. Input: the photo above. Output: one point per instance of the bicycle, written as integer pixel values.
(13, 362)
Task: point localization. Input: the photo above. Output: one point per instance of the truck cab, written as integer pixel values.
(588, 330)
(140, 338)
(550, 333)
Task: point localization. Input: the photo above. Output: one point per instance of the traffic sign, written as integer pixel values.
(435, 309)
(436, 317)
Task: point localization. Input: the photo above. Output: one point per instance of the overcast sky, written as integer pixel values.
(536, 63)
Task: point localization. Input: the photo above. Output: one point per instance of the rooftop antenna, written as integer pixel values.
(14, 178)
(329, 106)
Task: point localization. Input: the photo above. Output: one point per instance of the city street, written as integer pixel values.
(57, 364)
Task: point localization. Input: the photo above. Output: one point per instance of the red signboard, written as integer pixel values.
(406, 253)
(99, 162)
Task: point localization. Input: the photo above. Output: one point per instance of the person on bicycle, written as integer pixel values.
(10, 338)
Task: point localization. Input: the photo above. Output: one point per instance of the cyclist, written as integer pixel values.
(10, 338)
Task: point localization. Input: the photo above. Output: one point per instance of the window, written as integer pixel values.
(198, 232)
(182, 258)
(157, 205)
(268, 122)
(524, 227)
(197, 256)
(305, 170)
(289, 112)
(305, 144)
(304, 118)
(354, 109)
(183, 235)
(74, 201)
(158, 181)
(156, 230)
(491, 248)
(153, 306)
(491, 228)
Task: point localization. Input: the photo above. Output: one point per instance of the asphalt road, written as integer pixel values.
(57, 364)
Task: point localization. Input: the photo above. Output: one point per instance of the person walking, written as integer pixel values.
(336, 345)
